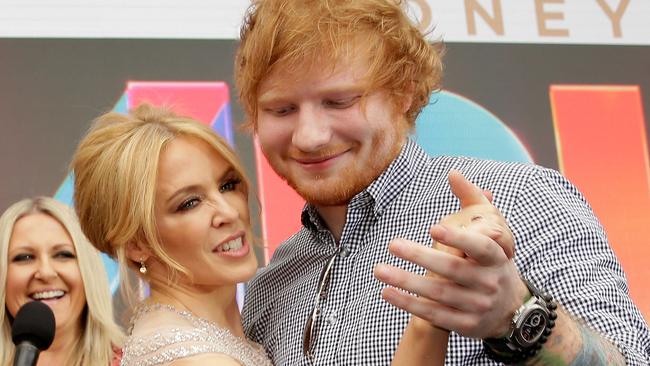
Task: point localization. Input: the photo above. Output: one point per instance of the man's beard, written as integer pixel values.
(339, 189)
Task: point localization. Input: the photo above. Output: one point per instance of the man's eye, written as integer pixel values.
(230, 185)
(341, 103)
(188, 204)
(22, 258)
(281, 111)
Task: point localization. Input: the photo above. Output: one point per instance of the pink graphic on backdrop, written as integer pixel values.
(281, 205)
(208, 102)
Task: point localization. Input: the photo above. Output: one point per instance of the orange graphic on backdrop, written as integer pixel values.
(603, 150)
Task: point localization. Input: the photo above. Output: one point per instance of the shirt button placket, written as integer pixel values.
(344, 252)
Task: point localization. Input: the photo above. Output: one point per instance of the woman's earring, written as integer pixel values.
(143, 268)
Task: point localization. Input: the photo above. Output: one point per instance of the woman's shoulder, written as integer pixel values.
(206, 359)
(161, 335)
(158, 318)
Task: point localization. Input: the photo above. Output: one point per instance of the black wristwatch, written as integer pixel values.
(530, 327)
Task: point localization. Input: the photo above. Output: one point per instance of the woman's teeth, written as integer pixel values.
(231, 245)
(47, 295)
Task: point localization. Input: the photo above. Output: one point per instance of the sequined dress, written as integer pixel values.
(160, 334)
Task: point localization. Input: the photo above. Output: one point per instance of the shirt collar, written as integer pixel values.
(397, 176)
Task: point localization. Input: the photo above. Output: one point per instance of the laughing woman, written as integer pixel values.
(45, 257)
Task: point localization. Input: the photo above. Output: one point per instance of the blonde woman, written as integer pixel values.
(168, 198)
(45, 257)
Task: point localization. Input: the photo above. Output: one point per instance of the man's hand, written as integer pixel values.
(472, 286)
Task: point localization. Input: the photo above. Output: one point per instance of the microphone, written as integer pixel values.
(32, 331)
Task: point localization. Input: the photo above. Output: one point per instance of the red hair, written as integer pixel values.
(294, 34)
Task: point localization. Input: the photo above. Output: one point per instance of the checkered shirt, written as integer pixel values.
(560, 247)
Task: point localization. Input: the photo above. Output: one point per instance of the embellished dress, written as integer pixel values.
(160, 334)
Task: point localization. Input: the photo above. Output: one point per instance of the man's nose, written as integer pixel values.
(312, 132)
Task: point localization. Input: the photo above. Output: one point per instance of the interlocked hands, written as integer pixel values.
(472, 286)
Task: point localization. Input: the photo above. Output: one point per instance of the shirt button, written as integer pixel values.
(332, 319)
(344, 252)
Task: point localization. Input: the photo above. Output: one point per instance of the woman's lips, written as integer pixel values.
(235, 253)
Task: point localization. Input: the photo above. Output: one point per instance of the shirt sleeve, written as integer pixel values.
(562, 247)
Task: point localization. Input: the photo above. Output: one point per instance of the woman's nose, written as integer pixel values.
(45, 270)
(224, 212)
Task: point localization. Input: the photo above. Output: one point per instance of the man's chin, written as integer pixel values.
(332, 190)
(321, 200)
(319, 195)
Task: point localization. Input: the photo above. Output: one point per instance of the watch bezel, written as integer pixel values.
(521, 325)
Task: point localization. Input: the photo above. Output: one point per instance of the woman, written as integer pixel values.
(168, 198)
(45, 257)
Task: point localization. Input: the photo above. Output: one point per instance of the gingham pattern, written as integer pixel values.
(560, 247)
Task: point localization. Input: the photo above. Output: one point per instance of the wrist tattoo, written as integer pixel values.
(596, 350)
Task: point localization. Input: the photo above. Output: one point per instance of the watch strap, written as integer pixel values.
(509, 350)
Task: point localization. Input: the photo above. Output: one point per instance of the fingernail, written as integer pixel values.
(388, 294)
(438, 231)
(396, 246)
(381, 271)
(497, 229)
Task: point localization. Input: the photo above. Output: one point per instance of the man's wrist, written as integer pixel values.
(530, 328)
(524, 294)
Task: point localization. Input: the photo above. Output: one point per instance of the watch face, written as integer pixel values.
(532, 327)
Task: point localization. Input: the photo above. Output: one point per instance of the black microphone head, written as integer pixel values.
(34, 323)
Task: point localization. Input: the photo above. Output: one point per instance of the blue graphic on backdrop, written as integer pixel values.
(454, 125)
(65, 194)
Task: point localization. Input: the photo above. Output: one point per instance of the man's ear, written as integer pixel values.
(406, 100)
(137, 252)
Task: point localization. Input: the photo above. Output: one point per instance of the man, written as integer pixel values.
(331, 89)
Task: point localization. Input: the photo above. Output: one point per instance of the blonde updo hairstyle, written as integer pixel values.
(116, 167)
